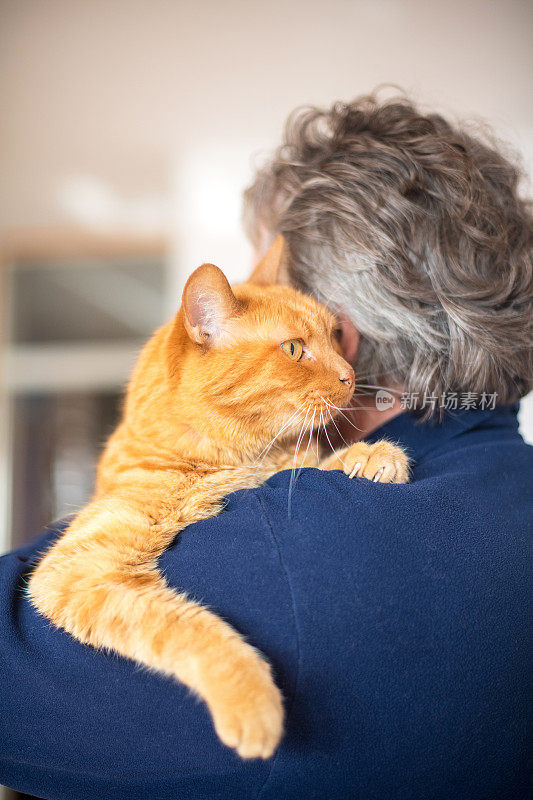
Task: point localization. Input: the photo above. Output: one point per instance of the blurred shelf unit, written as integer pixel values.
(76, 308)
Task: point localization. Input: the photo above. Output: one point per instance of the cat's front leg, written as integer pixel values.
(246, 706)
(100, 582)
(381, 462)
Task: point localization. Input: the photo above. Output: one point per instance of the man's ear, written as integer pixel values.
(207, 304)
(348, 338)
(272, 268)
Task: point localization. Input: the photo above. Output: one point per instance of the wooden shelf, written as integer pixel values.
(46, 244)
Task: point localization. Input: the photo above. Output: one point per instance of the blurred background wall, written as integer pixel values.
(128, 129)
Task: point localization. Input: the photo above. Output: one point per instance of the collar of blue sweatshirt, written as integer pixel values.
(419, 437)
(394, 617)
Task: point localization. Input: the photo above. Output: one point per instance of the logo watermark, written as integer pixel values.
(384, 400)
(447, 401)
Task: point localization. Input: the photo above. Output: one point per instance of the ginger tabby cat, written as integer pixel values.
(234, 370)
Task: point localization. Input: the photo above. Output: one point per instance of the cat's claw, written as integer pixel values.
(248, 711)
(381, 462)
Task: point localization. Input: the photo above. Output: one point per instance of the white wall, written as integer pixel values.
(152, 109)
(118, 89)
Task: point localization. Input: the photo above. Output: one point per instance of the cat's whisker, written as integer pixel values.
(329, 441)
(385, 388)
(403, 365)
(283, 428)
(332, 448)
(301, 434)
(298, 443)
(357, 407)
(311, 426)
(317, 438)
(349, 421)
(322, 424)
(330, 406)
(350, 408)
(311, 432)
(361, 376)
(332, 420)
(296, 450)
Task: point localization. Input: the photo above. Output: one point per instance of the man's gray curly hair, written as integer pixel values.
(415, 229)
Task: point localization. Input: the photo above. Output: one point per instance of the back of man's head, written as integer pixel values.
(414, 228)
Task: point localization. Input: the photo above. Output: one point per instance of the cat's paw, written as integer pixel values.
(247, 708)
(382, 462)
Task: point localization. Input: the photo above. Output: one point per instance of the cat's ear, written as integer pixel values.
(272, 268)
(208, 303)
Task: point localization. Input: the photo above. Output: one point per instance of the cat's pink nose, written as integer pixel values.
(348, 378)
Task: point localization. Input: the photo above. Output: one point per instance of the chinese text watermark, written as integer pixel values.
(447, 401)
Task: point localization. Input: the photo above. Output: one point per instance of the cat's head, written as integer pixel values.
(249, 362)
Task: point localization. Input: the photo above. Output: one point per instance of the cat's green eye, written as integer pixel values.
(293, 348)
